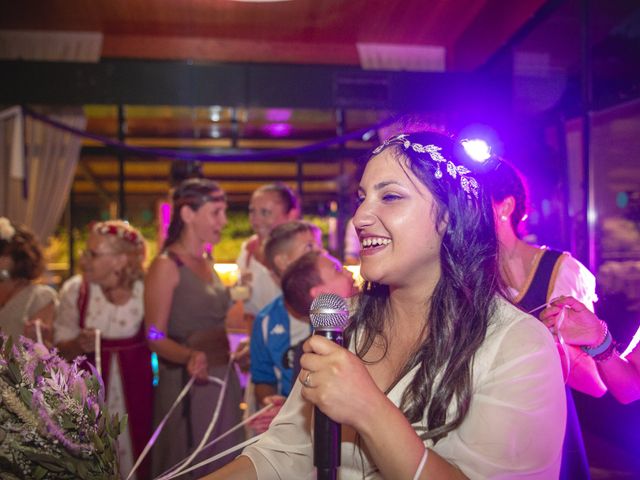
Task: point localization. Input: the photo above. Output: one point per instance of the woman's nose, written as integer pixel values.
(363, 216)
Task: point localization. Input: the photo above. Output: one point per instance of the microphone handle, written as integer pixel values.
(327, 433)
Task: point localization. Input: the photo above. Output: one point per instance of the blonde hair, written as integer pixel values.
(125, 239)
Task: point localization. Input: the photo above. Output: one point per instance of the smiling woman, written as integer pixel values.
(186, 305)
(101, 317)
(440, 377)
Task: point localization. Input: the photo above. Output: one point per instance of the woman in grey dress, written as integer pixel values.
(186, 305)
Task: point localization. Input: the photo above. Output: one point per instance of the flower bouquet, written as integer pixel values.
(53, 419)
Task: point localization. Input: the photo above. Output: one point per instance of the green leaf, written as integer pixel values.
(123, 424)
(7, 348)
(39, 472)
(14, 371)
(26, 396)
(67, 423)
(82, 471)
(97, 442)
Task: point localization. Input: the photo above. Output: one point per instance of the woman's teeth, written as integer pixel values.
(375, 242)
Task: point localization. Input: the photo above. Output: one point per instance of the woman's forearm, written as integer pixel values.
(171, 351)
(621, 377)
(240, 469)
(396, 448)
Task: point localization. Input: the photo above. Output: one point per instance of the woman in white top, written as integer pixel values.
(22, 300)
(443, 378)
(271, 205)
(535, 276)
(108, 297)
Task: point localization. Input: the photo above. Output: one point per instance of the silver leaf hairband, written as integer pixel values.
(467, 182)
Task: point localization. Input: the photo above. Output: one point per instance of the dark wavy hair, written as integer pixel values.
(462, 302)
(193, 193)
(504, 181)
(25, 253)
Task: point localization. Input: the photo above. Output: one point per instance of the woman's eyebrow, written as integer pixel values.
(383, 184)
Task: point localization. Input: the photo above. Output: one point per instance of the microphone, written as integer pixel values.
(329, 315)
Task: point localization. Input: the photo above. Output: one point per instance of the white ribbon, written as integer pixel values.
(214, 458)
(154, 437)
(212, 423)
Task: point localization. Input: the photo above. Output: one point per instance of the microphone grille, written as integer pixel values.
(329, 310)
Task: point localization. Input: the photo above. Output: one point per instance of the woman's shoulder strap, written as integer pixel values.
(175, 257)
(83, 301)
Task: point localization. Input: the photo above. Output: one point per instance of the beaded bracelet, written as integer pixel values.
(595, 350)
(607, 354)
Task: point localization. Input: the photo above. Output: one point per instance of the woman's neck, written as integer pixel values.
(118, 295)
(408, 309)
(516, 260)
(190, 246)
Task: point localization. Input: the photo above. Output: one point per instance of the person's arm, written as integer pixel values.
(583, 374)
(342, 388)
(160, 283)
(574, 279)
(70, 340)
(239, 469)
(580, 327)
(45, 310)
(263, 390)
(514, 426)
(622, 376)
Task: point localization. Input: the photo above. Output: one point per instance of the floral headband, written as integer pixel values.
(7, 231)
(468, 183)
(123, 231)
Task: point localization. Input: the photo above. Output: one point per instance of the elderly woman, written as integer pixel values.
(22, 301)
(104, 308)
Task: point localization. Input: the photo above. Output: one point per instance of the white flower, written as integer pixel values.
(6, 229)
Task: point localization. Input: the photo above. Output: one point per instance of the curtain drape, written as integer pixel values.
(35, 186)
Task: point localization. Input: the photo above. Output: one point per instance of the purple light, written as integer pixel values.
(278, 129)
(477, 149)
(165, 219)
(278, 114)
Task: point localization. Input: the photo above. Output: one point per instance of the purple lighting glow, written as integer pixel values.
(477, 149)
(278, 129)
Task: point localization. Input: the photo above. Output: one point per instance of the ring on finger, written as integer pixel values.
(307, 380)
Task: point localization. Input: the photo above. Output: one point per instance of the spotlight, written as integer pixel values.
(477, 149)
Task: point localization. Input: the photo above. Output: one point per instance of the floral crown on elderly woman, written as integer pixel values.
(467, 182)
(121, 230)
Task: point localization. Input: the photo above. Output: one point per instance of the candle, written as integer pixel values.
(98, 353)
(39, 331)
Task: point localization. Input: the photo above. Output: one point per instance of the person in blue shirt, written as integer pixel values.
(284, 324)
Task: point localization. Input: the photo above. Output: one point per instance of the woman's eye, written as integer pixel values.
(359, 200)
(390, 197)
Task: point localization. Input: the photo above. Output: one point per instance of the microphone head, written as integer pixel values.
(329, 310)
